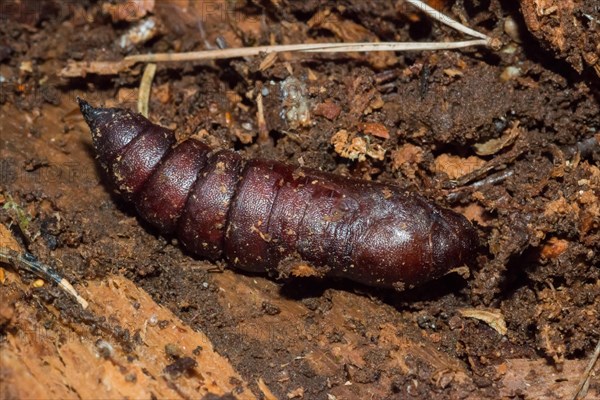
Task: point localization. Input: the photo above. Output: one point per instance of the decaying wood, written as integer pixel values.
(536, 379)
(66, 363)
(69, 361)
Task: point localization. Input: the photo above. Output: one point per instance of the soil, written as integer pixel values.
(507, 137)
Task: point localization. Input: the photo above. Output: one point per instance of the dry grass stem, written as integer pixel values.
(310, 48)
(145, 88)
(29, 263)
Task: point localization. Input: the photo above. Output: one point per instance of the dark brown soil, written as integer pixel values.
(539, 221)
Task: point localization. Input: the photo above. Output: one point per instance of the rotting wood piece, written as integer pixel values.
(70, 362)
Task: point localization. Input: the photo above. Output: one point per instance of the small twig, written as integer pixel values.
(145, 88)
(585, 380)
(494, 163)
(28, 262)
(308, 48)
(461, 192)
(76, 69)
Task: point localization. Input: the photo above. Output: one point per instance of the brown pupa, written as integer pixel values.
(266, 216)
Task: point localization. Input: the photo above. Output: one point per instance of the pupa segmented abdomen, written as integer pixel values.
(266, 216)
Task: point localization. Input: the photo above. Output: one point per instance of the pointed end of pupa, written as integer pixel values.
(112, 129)
(90, 114)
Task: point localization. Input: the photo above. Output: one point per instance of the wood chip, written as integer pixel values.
(374, 129)
(492, 317)
(456, 167)
(328, 109)
(268, 61)
(554, 247)
(493, 146)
